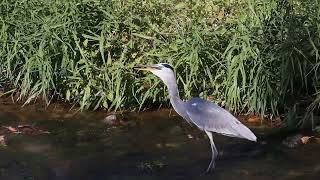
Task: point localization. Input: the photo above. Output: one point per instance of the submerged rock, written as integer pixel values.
(297, 140)
(176, 130)
(292, 141)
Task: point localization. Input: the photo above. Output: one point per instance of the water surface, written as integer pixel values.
(148, 145)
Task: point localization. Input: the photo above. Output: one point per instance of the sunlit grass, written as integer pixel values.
(251, 56)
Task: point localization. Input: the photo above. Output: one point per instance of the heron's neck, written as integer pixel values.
(173, 90)
(175, 100)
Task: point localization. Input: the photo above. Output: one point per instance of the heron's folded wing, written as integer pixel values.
(211, 117)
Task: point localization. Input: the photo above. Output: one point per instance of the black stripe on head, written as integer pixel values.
(167, 66)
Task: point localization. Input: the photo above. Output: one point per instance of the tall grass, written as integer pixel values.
(257, 56)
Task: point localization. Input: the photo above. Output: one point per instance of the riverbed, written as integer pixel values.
(63, 144)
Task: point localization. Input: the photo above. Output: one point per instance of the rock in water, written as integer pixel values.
(110, 120)
(292, 141)
(2, 141)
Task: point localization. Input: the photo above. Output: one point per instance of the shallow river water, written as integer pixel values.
(147, 145)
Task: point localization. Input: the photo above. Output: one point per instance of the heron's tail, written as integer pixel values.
(246, 133)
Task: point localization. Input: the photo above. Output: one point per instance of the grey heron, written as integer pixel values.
(207, 116)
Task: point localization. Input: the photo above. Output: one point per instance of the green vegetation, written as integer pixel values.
(256, 55)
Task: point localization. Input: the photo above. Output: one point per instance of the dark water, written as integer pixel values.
(151, 145)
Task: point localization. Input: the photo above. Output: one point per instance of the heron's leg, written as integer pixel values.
(213, 150)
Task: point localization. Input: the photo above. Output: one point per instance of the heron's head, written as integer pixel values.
(163, 70)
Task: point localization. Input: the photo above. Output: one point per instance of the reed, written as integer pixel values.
(250, 56)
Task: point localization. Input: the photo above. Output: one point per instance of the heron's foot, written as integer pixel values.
(211, 166)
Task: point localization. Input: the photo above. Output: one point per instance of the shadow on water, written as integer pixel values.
(150, 145)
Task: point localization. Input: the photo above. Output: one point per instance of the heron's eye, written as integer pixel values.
(168, 66)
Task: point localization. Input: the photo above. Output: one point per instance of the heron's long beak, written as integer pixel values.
(146, 67)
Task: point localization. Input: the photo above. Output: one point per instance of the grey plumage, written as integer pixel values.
(211, 117)
(207, 116)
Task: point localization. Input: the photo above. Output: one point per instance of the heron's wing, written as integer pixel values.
(211, 117)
